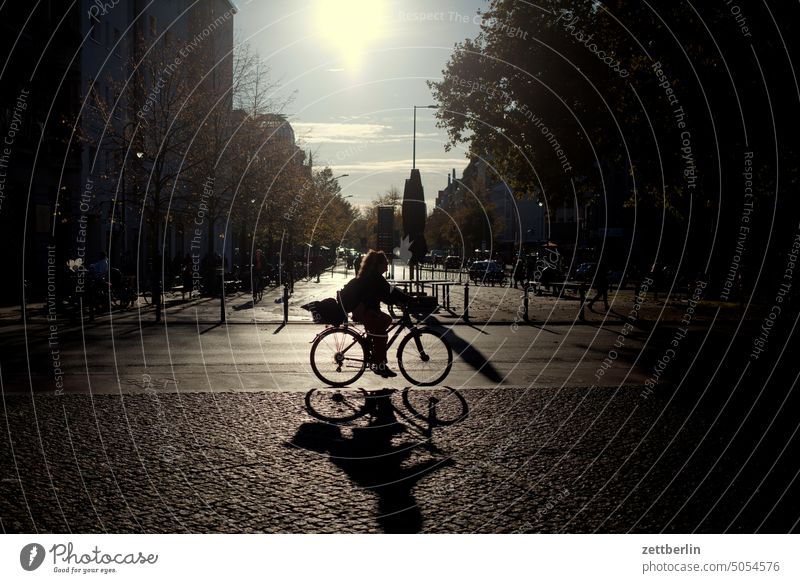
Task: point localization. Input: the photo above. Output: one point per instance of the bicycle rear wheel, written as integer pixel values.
(122, 298)
(424, 357)
(338, 357)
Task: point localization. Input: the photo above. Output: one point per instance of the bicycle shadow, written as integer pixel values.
(374, 459)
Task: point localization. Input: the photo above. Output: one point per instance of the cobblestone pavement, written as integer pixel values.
(543, 460)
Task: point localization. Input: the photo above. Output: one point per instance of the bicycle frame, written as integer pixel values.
(403, 323)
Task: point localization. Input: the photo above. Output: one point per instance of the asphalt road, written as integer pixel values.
(105, 358)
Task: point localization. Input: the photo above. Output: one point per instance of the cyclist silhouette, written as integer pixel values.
(372, 290)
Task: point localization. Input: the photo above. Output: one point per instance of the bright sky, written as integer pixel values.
(358, 67)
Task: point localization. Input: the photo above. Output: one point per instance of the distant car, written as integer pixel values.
(452, 262)
(584, 271)
(487, 272)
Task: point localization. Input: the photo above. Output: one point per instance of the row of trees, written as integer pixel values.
(569, 100)
(472, 223)
(200, 142)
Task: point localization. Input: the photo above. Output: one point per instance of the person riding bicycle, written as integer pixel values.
(371, 288)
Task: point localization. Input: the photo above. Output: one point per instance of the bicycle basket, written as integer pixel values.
(325, 311)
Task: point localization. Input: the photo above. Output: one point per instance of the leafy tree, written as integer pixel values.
(658, 102)
(471, 222)
(332, 215)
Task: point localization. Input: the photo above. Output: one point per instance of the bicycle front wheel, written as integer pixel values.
(424, 357)
(338, 357)
(336, 406)
(437, 406)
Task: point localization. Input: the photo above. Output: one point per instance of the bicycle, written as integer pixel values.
(258, 287)
(340, 354)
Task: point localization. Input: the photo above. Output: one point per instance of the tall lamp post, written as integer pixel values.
(414, 138)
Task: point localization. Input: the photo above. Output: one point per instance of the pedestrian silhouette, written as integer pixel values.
(600, 284)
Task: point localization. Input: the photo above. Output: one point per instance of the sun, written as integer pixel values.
(350, 27)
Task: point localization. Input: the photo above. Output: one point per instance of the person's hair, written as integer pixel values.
(372, 262)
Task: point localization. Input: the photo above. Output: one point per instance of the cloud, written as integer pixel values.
(337, 133)
(351, 133)
(434, 165)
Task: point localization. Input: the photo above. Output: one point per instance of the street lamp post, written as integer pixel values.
(414, 137)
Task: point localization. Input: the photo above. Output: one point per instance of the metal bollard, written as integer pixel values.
(582, 313)
(156, 299)
(222, 300)
(285, 304)
(525, 303)
(466, 301)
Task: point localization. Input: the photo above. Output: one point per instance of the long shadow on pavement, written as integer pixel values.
(374, 462)
(469, 354)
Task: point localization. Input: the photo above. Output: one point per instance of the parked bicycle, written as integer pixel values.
(340, 354)
(117, 290)
(97, 295)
